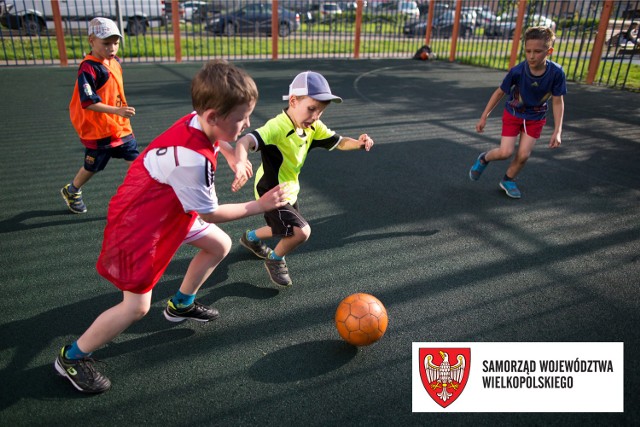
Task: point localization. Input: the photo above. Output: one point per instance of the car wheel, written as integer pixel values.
(284, 30)
(31, 25)
(136, 26)
(229, 29)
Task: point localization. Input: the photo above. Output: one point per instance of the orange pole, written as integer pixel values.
(274, 29)
(455, 31)
(356, 41)
(596, 53)
(57, 19)
(517, 34)
(175, 20)
(427, 35)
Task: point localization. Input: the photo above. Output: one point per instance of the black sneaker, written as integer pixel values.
(81, 373)
(195, 311)
(259, 248)
(73, 200)
(278, 272)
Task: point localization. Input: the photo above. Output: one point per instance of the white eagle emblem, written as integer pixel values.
(444, 376)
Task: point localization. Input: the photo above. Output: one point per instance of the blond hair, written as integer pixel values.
(221, 86)
(545, 34)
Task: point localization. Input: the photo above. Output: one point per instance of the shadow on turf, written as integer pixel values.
(19, 221)
(26, 339)
(303, 361)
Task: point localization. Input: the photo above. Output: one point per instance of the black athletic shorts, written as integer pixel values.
(282, 220)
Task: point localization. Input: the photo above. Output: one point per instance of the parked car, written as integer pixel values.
(485, 18)
(350, 5)
(254, 19)
(438, 9)
(408, 8)
(505, 25)
(168, 11)
(34, 16)
(204, 13)
(329, 11)
(192, 6)
(442, 26)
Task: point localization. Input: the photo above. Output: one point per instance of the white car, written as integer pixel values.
(192, 6)
(34, 16)
(409, 8)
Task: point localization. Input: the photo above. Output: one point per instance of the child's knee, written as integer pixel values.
(138, 311)
(225, 244)
(505, 152)
(303, 233)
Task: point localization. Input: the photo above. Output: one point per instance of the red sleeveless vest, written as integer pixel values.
(146, 222)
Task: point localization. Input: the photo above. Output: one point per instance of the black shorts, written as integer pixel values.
(282, 220)
(96, 160)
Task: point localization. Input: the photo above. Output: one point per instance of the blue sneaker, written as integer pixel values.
(511, 189)
(477, 168)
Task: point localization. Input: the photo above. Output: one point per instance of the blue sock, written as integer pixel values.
(73, 189)
(181, 300)
(74, 352)
(251, 236)
(272, 255)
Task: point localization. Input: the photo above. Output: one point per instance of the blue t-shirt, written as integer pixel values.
(529, 94)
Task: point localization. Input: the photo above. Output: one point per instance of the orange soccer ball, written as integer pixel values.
(361, 319)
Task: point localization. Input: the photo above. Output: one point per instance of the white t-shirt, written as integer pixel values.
(189, 173)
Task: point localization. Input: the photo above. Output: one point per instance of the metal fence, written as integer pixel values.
(590, 45)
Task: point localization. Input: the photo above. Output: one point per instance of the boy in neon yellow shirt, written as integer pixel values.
(284, 143)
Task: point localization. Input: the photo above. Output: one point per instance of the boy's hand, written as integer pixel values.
(243, 171)
(126, 112)
(248, 167)
(555, 141)
(365, 142)
(274, 198)
(481, 124)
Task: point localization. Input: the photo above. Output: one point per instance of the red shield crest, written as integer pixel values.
(444, 372)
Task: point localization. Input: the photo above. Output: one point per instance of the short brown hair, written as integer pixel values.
(222, 87)
(540, 33)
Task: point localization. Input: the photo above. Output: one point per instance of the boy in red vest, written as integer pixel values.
(99, 110)
(168, 198)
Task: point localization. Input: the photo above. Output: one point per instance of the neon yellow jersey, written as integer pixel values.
(284, 150)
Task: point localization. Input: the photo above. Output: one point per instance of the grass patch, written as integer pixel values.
(380, 35)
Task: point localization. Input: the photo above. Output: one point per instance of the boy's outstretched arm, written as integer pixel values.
(230, 156)
(363, 143)
(274, 198)
(493, 101)
(558, 117)
(243, 145)
(124, 111)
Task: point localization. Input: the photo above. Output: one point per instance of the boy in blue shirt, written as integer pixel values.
(529, 85)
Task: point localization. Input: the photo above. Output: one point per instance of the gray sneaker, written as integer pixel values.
(73, 200)
(259, 248)
(278, 272)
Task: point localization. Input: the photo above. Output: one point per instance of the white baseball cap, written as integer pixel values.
(103, 28)
(311, 84)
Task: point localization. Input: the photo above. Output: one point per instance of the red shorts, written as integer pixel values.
(512, 126)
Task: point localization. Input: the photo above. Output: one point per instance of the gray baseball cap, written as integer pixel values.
(312, 84)
(103, 28)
